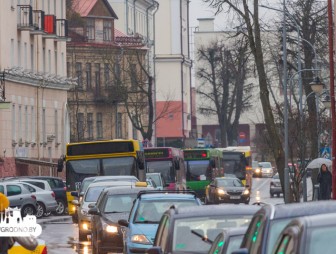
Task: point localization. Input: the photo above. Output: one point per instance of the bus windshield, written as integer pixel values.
(119, 166)
(198, 168)
(163, 167)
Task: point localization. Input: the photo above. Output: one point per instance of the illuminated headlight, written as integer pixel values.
(246, 192)
(85, 226)
(140, 239)
(85, 212)
(111, 229)
(74, 208)
(257, 170)
(221, 191)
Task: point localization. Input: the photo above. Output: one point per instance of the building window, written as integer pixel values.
(49, 61)
(119, 125)
(32, 125)
(12, 52)
(133, 77)
(68, 70)
(134, 130)
(90, 29)
(97, 76)
(20, 122)
(19, 53)
(117, 73)
(56, 126)
(90, 126)
(44, 134)
(88, 75)
(32, 57)
(99, 125)
(107, 74)
(25, 58)
(107, 30)
(79, 74)
(13, 123)
(26, 123)
(56, 62)
(80, 126)
(43, 60)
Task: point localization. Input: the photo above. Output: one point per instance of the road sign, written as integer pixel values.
(325, 152)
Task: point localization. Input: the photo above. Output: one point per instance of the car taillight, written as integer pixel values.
(53, 194)
(65, 188)
(45, 250)
(33, 196)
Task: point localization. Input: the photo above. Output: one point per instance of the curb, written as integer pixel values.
(51, 220)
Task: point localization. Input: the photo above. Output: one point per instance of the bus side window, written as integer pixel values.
(176, 164)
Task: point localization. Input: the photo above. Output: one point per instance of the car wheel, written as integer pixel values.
(81, 236)
(28, 210)
(40, 210)
(60, 208)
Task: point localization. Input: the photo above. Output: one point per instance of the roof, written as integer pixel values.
(111, 184)
(299, 209)
(115, 178)
(124, 190)
(84, 7)
(225, 209)
(166, 193)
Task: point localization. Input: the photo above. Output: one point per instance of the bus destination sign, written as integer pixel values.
(195, 154)
(156, 153)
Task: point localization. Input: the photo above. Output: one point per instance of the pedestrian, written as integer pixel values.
(324, 178)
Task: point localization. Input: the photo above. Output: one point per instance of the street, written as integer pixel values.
(62, 236)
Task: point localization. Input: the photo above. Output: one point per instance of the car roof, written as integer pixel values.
(98, 178)
(124, 190)
(320, 220)
(111, 183)
(29, 184)
(235, 231)
(45, 177)
(225, 209)
(281, 211)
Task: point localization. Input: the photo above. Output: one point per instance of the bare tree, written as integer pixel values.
(224, 91)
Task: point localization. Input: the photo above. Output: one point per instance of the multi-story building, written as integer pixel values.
(173, 72)
(33, 115)
(98, 56)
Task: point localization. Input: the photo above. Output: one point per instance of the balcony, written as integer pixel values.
(38, 22)
(62, 29)
(25, 17)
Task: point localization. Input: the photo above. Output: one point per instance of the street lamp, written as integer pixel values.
(316, 85)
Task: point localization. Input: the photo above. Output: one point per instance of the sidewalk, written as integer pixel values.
(53, 219)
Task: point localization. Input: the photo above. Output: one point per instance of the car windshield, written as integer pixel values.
(321, 240)
(229, 183)
(85, 184)
(163, 167)
(265, 165)
(184, 240)
(156, 179)
(234, 243)
(276, 226)
(119, 203)
(93, 193)
(150, 211)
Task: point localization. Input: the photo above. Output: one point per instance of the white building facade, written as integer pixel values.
(34, 119)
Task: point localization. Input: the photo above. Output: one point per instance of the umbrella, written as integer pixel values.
(317, 163)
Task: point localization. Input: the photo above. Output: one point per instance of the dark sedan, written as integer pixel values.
(112, 205)
(226, 190)
(311, 234)
(192, 229)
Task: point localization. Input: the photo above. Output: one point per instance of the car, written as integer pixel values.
(151, 183)
(19, 249)
(266, 169)
(309, 234)
(157, 178)
(87, 181)
(146, 213)
(58, 187)
(89, 199)
(270, 220)
(275, 186)
(226, 190)
(20, 197)
(113, 204)
(46, 201)
(228, 241)
(192, 229)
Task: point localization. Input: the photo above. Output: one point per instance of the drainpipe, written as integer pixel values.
(154, 78)
(182, 63)
(126, 14)
(134, 17)
(191, 63)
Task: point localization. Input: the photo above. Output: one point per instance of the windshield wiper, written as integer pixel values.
(114, 212)
(147, 221)
(204, 238)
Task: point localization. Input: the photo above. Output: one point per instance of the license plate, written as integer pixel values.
(234, 197)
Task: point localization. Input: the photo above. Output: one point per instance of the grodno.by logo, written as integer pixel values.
(12, 224)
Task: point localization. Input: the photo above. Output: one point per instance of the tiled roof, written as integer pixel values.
(118, 33)
(83, 7)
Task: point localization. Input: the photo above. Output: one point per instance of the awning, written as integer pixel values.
(35, 162)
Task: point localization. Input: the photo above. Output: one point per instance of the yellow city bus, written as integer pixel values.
(101, 158)
(237, 160)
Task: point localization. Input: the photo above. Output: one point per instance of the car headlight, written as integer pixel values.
(74, 208)
(85, 226)
(257, 170)
(140, 239)
(221, 191)
(246, 192)
(85, 212)
(111, 229)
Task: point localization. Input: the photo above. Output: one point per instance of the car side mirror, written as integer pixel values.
(123, 223)
(74, 193)
(75, 202)
(94, 211)
(241, 251)
(92, 205)
(81, 194)
(154, 250)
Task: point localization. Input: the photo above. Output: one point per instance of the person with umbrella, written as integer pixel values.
(324, 178)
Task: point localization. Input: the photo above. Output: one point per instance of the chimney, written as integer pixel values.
(206, 24)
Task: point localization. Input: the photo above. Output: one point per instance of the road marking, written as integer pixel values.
(262, 185)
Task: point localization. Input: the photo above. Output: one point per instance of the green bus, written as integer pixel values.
(202, 164)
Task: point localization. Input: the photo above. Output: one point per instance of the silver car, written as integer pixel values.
(88, 201)
(266, 169)
(20, 197)
(46, 201)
